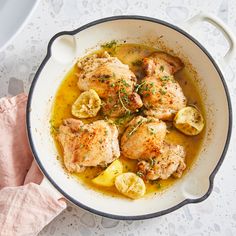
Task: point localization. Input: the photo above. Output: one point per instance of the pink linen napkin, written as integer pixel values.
(25, 206)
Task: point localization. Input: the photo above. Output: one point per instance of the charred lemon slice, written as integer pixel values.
(130, 185)
(189, 121)
(86, 105)
(107, 177)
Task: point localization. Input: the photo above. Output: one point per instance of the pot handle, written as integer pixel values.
(46, 184)
(226, 31)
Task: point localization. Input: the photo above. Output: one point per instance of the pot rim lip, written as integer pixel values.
(101, 213)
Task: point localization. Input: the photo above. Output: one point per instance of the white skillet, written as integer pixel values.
(64, 49)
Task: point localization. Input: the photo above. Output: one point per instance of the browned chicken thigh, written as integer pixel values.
(161, 64)
(143, 138)
(94, 144)
(113, 81)
(161, 94)
(169, 162)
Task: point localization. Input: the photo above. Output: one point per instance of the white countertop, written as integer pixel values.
(20, 60)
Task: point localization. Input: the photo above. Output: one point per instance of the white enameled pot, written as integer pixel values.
(63, 51)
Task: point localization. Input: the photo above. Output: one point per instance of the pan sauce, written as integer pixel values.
(130, 54)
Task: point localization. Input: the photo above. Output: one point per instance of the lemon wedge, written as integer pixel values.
(86, 105)
(189, 121)
(107, 177)
(130, 185)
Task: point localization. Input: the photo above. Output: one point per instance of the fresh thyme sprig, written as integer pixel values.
(136, 127)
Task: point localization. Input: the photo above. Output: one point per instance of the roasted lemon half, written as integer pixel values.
(189, 121)
(130, 185)
(86, 105)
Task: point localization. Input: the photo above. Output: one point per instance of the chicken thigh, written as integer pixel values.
(143, 138)
(94, 144)
(161, 94)
(169, 162)
(113, 81)
(161, 64)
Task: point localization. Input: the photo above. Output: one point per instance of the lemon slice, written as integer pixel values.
(107, 177)
(189, 121)
(86, 105)
(130, 185)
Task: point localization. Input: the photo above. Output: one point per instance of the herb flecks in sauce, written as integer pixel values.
(129, 54)
(109, 44)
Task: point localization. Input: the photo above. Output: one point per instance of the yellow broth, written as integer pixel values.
(130, 54)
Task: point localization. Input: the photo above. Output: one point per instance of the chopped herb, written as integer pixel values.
(54, 129)
(125, 83)
(162, 91)
(139, 86)
(139, 174)
(137, 63)
(51, 121)
(153, 91)
(112, 85)
(125, 118)
(123, 90)
(147, 88)
(126, 99)
(161, 68)
(152, 162)
(165, 78)
(152, 131)
(106, 132)
(146, 95)
(124, 96)
(109, 45)
(104, 78)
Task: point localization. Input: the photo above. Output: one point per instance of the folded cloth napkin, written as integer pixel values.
(25, 206)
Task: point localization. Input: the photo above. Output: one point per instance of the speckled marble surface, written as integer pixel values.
(20, 60)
